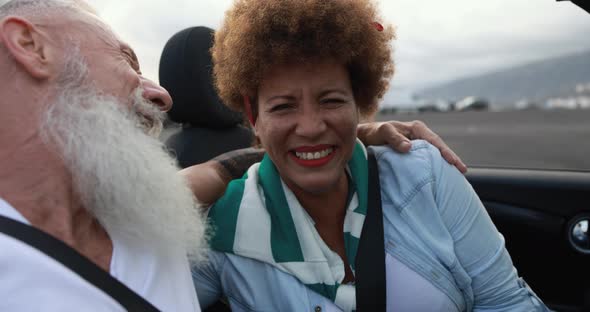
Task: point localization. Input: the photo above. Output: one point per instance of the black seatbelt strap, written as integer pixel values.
(76, 262)
(370, 259)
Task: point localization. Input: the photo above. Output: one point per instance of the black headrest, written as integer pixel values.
(186, 72)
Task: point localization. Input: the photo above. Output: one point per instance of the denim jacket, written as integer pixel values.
(434, 224)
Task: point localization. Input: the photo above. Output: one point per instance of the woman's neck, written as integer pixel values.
(327, 209)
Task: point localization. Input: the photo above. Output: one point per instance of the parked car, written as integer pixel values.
(472, 103)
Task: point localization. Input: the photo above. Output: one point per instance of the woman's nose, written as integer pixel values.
(310, 122)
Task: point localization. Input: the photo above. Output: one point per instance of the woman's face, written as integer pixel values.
(307, 120)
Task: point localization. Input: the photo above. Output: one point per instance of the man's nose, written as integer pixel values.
(156, 94)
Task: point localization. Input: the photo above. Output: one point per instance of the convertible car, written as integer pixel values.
(544, 215)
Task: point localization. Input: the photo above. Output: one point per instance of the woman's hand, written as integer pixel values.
(398, 134)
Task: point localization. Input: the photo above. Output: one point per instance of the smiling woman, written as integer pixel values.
(441, 41)
(287, 234)
(307, 123)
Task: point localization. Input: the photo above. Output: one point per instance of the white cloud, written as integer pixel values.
(437, 39)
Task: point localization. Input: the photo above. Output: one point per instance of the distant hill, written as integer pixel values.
(534, 81)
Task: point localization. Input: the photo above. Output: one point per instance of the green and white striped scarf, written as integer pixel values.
(258, 217)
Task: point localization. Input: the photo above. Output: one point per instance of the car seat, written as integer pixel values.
(208, 128)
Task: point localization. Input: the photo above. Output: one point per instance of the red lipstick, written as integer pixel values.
(313, 149)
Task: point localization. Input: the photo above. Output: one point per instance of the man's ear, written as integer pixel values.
(27, 45)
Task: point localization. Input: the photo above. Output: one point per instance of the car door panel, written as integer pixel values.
(534, 209)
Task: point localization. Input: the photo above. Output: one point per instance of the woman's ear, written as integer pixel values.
(255, 131)
(254, 128)
(249, 110)
(27, 45)
(358, 114)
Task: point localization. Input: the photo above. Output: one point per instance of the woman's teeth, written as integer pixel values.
(316, 155)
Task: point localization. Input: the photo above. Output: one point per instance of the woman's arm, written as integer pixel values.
(478, 245)
(207, 280)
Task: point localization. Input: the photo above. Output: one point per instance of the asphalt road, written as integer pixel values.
(558, 139)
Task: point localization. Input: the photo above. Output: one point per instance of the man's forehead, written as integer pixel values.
(108, 34)
(92, 27)
(105, 34)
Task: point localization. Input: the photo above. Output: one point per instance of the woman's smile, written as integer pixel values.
(313, 156)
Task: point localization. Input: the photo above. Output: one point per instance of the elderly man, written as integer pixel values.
(79, 161)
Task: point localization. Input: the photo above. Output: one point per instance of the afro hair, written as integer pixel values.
(258, 34)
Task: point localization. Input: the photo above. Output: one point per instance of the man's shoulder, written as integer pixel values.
(37, 282)
(28, 273)
(6, 210)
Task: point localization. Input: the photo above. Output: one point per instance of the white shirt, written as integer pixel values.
(406, 283)
(32, 281)
(401, 292)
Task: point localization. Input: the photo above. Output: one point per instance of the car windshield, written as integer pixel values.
(506, 83)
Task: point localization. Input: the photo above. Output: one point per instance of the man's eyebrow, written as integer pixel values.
(128, 50)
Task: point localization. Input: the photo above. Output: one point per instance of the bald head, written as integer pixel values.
(49, 13)
(37, 8)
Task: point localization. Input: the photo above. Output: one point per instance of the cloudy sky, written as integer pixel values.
(438, 40)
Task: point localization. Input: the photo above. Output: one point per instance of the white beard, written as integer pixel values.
(122, 175)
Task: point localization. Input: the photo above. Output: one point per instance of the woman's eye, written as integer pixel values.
(280, 107)
(333, 101)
